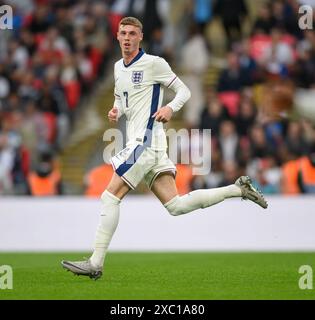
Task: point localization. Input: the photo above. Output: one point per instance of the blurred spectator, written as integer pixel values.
(40, 20)
(266, 174)
(33, 130)
(28, 41)
(302, 71)
(213, 115)
(294, 139)
(230, 173)
(194, 69)
(263, 23)
(289, 178)
(163, 39)
(228, 141)
(177, 31)
(298, 175)
(183, 178)
(307, 173)
(258, 143)
(27, 89)
(307, 43)
(232, 13)
(69, 78)
(285, 16)
(245, 118)
(4, 84)
(233, 77)
(45, 180)
(18, 54)
(277, 57)
(97, 179)
(263, 185)
(151, 19)
(6, 165)
(278, 14)
(248, 63)
(202, 13)
(53, 43)
(274, 134)
(215, 177)
(85, 69)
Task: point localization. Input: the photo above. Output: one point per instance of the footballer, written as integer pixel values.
(140, 79)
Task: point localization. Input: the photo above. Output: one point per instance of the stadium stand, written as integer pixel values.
(58, 51)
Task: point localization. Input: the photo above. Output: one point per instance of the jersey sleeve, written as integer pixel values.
(162, 72)
(117, 102)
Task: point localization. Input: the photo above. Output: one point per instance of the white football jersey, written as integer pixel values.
(139, 94)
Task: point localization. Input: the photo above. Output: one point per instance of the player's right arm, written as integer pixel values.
(117, 110)
(113, 114)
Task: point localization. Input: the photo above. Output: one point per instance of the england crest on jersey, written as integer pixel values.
(137, 77)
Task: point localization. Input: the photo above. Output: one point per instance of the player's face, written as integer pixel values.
(129, 38)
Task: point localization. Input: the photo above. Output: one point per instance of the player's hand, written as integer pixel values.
(164, 114)
(113, 114)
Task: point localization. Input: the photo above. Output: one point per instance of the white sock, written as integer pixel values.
(106, 228)
(202, 198)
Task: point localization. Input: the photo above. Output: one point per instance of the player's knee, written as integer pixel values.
(108, 197)
(174, 206)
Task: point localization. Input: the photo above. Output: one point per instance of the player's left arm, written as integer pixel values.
(167, 77)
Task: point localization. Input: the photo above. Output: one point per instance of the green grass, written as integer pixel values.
(161, 276)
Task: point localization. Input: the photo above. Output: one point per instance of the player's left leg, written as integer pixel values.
(111, 198)
(164, 188)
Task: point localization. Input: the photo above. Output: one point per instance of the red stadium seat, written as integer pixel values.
(96, 57)
(114, 19)
(25, 160)
(231, 100)
(73, 93)
(258, 44)
(50, 121)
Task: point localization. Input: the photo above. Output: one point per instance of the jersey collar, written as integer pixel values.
(136, 58)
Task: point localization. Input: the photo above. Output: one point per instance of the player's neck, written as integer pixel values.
(129, 56)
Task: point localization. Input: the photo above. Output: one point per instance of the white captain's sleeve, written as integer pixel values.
(117, 102)
(162, 73)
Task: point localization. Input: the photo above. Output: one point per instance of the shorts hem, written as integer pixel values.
(173, 170)
(112, 163)
(123, 178)
(128, 182)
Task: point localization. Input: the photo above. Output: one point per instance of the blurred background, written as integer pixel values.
(56, 87)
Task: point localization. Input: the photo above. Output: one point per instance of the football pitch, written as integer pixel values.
(160, 276)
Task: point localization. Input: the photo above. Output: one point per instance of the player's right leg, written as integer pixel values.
(111, 197)
(164, 188)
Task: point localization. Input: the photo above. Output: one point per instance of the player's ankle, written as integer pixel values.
(96, 263)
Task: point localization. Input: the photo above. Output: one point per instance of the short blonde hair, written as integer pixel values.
(131, 21)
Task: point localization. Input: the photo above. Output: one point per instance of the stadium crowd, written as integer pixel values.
(280, 154)
(57, 50)
(49, 62)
